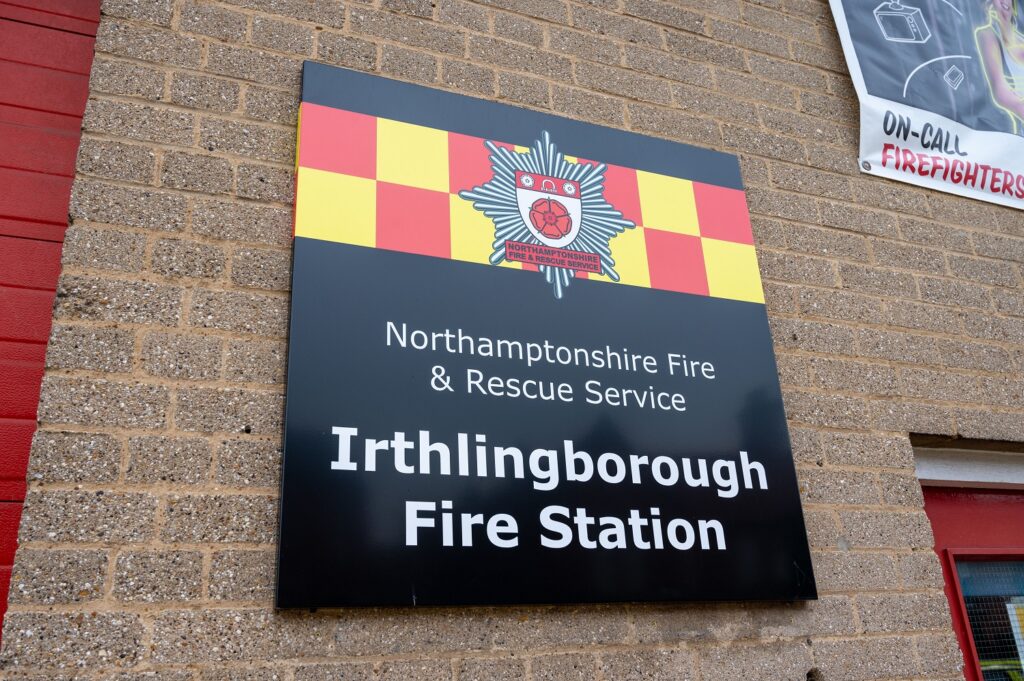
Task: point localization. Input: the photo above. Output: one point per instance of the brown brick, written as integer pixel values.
(778, 298)
(345, 671)
(265, 183)
(786, 72)
(90, 347)
(897, 347)
(191, 636)
(583, 45)
(930, 233)
(74, 639)
(133, 207)
(901, 489)
(813, 336)
(148, 44)
(181, 258)
(920, 570)
(1009, 302)
(782, 661)
(214, 21)
(416, 670)
(253, 65)
(738, 34)
(254, 361)
(66, 517)
(668, 123)
(241, 312)
(984, 271)
(464, 14)
(493, 669)
(327, 12)
(857, 219)
(107, 249)
(911, 315)
(962, 354)
(886, 529)
(876, 280)
(203, 92)
(552, 10)
(822, 529)
(835, 304)
(616, 26)
(667, 13)
(261, 268)
(798, 269)
(157, 576)
(468, 77)
(848, 571)
(742, 139)
(242, 575)
(210, 410)
(197, 172)
(827, 106)
(597, 108)
(622, 82)
(913, 417)
(116, 161)
(48, 577)
(780, 23)
(220, 518)
(407, 30)
(990, 425)
(249, 463)
(251, 140)
(814, 183)
(282, 36)
(748, 87)
(907, 257)
(519, 29)
(138, 121)
(816, 409)
(115, 77)
(862, 449)
(998, 246)
(96, 402)
(408, 64)
(859, 377)
(419, 8)
(903, 612)
(940, 654)
(73, 457)
(92, 298)
(936, 385)
(242, 222)
(509, 55)
(637, 665)
(834, 486)
(523, 90)
(987, 327)
(159, 459)
(344, 50)
(864, 659)
(703, 102)
(705, 51)
(271, 105)
(657, 63)
(890, 196)
(830, 614)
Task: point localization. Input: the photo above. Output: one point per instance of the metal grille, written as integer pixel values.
(994, 595)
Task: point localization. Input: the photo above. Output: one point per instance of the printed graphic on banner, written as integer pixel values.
(529, 362)
(941, 88)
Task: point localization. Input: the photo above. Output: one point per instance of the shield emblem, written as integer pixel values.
(550, 207)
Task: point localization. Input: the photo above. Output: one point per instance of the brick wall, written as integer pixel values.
(147, 544)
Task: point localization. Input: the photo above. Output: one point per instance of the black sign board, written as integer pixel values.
(529, 363)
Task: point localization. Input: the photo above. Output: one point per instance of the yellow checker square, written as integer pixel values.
(472, 233)
(667, 203)
(629, 250)
(412, 155)
(336, 207)
(732, 271)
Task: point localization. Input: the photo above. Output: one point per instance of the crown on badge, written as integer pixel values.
(549, 212)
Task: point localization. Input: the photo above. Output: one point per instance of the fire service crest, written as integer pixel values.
(549, 212)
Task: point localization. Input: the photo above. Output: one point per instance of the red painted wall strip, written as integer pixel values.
(46, 49)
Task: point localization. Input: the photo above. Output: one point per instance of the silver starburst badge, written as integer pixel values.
(549, 212)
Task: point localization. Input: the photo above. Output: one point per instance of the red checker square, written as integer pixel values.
(622, 191)
(469, 162)
(722, 213)
(676, 262)
(413, 220)
(338, 141)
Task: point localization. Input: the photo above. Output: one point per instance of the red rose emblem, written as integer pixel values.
(550, 218)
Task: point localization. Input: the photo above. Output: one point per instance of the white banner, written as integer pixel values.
(941, 89)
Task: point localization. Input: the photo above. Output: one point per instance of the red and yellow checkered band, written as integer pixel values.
(381, 183)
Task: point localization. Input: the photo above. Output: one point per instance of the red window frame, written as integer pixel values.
(977, 524)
